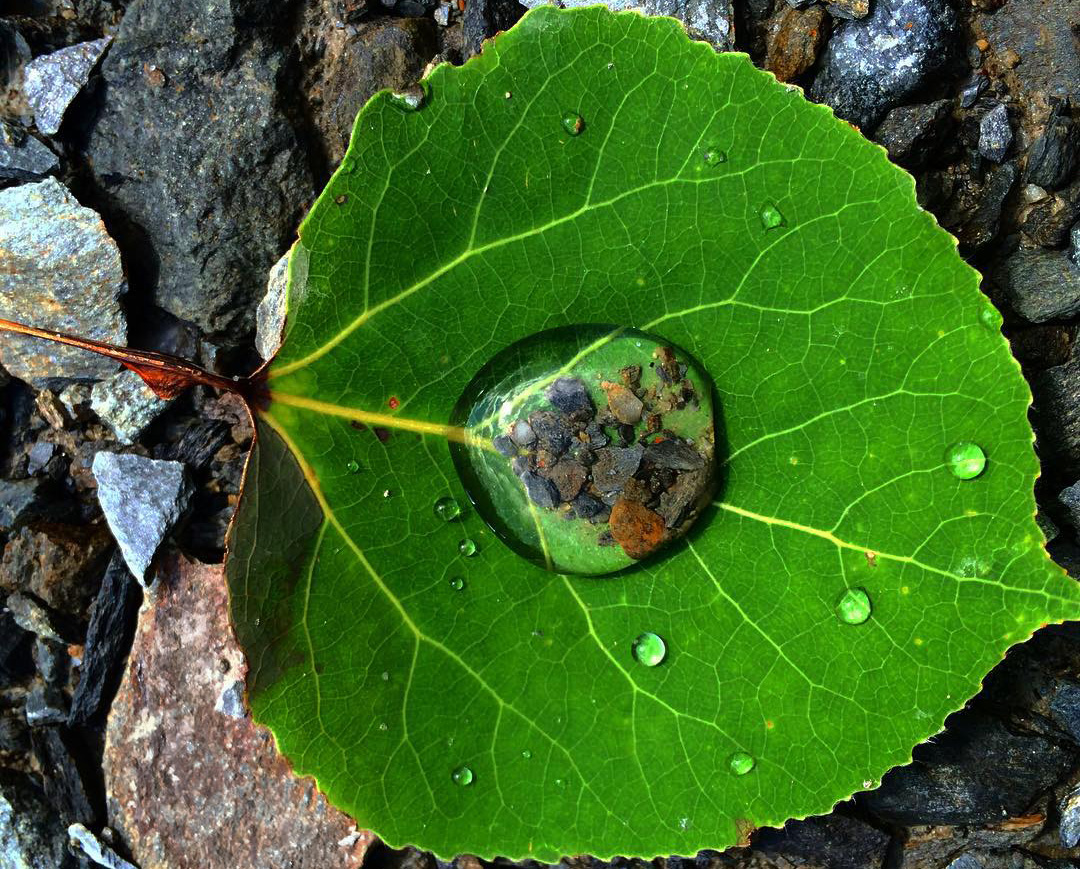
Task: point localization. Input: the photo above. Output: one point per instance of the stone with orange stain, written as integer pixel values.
(188, 786)
(636, 528)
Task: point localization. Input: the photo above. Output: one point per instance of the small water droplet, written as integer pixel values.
(573, 123)
(353, 467)
(684, 823)
(965, 460)
(714, 156)
(526, 753)
(341, 198)
(771, 218)
(385, 676)
(854, 606)
(447, 508)
(387, 493)
(462, 776)
(457, 583)
(560, 783)
(740, 762)
(383, 726)
(649, 649)
(410, 99)
(467, 547)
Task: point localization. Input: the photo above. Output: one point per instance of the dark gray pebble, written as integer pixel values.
(568, 477)
(552, 431)
(588, 507)
(1070, 819)
(541, 492)
(615, 465)
(995, 134)
(674, 454)
(505, 445)
(569, 395)
(1055, 154)
(1041, 284)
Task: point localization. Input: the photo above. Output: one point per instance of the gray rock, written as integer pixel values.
(1048, 221)
(231, 700)
(270, 315)
(995, 134)
(1074, 244)
(872, 64)
(484, 18)
(31, 836)
(849, 10)
(1070, 819)
(541, 491)
(1057, 415)
(75, 400)
(836, 841)
(22, 157)
(569, 395)
(1041, 284)
(126, 404)
(1070, 499)
(973, 89)
(1054, 155)
(59, 269)
(52, 81)
(143, 500)
(86, 843)
(22, 501)
(709, 19)
(202, 156)
(911, 134)
(39, 456)
(614, 466)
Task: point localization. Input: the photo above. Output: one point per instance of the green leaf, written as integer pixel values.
(849, 347)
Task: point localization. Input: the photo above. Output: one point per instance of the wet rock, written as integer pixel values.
(569, 395)
(1048, 221)
(522, 433)
(1074, 244)
(52, 81)
(1070, 500)
(64, 785)
(793, 39)
(913, 134)
(568, 477)
(270, 315)
(1041, 284)
(22, 157)
(60, 564)
(677, 455)
(872, 64)
(552, 431)
(202, 157)
(681, 497)
(995, 134)
(615, 465)
(973, 88)
(623, 404)
(108, 638)
(126, 404)
(198, 444)
(39, 456)
(707, 19)
(58, 270)
(849, 10)
(542, 492)
(1070, 819)
(836, 841)
(979, 226)
(1064, 707)
(972, 774)
(636, 528)
(188, 786)
(143, 500)
(84, 842)
(31, 836)
(1054, 155)
(1057, 414)
(505, 446)
(484, 18)
(588, 507)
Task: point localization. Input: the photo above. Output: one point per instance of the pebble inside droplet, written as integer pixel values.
(573, 123)
(854, 606)
(740, 763)
(463, 775)
(467, 547)
(649, 649)
(771, 218)
(447, 508)
(965, 460)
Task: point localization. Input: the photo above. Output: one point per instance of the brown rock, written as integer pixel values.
(188, 786)
(568, 477)
(793, 39)
(636, 528)
(623, 404)
(61, 564)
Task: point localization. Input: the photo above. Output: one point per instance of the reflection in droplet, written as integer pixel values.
(573, 123)
(771, 218)
(467, 547)
(649, 649)
(740, 763)
(965, 460)
(447, 508)
(463, 775)
(854, 606)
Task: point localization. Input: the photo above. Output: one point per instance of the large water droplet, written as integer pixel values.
(457, 583)
(714, 156)
(463, 775)
(467, 547)
(771, 218)
(447, 508)
(588, 448)
(740, 762)
(573, 123)
(966, 460)
(649, 649)
(411, 99)
(854, 606)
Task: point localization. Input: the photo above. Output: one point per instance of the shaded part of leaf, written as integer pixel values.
(269, 559)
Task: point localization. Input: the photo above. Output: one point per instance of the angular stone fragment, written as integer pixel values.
(551, 430)
(1054, 155)
(911, 134)
(64, 784)
(59, 269)
(1041, 284)
(541, 492)
(673, 454)
(142, 499)
(792, 41)
(568, 477)
(126, 404)
(22, 157)
(270, 315)
(60, 564)
(52, 81)
(1070, 819)
(569, 395)
(187, 786)
(615, 465)
(86, 843)
(636, 528)
(623, 404)
(995, 134)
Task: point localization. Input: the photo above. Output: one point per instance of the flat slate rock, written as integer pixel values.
(188, 787)
(1041, 284)
(22, 157)
(52, 81)
(59, 269)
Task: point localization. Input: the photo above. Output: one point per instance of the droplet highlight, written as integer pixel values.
(649, 649)
(463, 776)
(854, 606)
(713, 156)
(573, 123)
(771, 218)
(965, 460)
(457, 583)
(467, 547)
(447, 508)
(740, 763)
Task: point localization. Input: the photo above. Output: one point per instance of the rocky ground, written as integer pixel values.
(163, 151)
